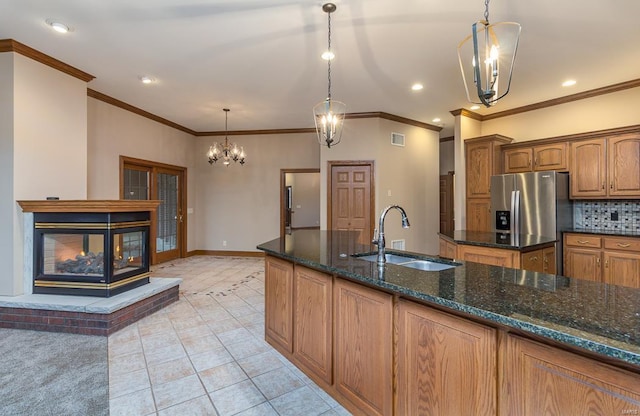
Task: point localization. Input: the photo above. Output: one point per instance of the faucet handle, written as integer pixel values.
(375, 236)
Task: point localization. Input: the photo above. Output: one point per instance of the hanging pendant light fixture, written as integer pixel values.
(487, 57)
(329, 114)
(228, 151)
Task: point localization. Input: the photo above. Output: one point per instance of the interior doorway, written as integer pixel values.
(299, 199)
(447, 223)
(351, 197)
(144, 180)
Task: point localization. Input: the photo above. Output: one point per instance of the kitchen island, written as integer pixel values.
(473, 339)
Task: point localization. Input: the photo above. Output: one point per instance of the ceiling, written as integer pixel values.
(261, 58)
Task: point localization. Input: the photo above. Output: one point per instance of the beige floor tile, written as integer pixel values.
(236, 398)
(170, 371)
(260, 363)
(264, 409)
(247, 348)
(122, 364)
(235, 336)
(224, 325)
(201, 344)
(156, 341)
(302, 401)
(222, 376)
(200, 406)
(177, 391)
(251, 319)
(164, 354)
(139, 403)
(195, 332)
(131, 346)
(210, 359)
(125, 383)
(277, 382)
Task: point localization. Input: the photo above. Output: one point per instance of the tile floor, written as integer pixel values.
(206, 354)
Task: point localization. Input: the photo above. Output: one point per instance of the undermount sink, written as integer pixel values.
(412, 262)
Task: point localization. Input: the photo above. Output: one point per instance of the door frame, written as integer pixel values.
(283, 184)
(372, 188)
(182, 186)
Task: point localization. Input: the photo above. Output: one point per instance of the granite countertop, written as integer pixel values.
(612, 231)
(600, 318)
(499, 240)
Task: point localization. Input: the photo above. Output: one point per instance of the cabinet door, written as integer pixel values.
(550, 157)
(313, 321)
(542, 380)
(479, 168)
(278, 307)
(583, 263)
(622, 268)
(447, 249)
(479, 215)
(588, 169)
(446, 365)
(363, 347)
(488, 255)
(517, 160)
(624, 166)
(549, 260)
(532, 260)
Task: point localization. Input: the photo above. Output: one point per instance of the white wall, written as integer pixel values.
(241, 204)
(410, 174)
(43, 133)
(447, 159)
(305, 187)
(114, 132)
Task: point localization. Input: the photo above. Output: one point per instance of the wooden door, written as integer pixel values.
(532, 260)
(622, 268)
(550, 157)
(549, 261)
(446, 365)
(588, 169)
(278, 308)
(624, 166)
(517, 160)
(446, 203)
(489, 255)
(542, 380)
(313, 324)
(351, 200)
(363, 360)
(583, 264)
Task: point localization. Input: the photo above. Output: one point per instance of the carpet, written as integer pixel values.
(46, 373)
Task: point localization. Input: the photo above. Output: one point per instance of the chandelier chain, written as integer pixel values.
(329, 60)
(486, 11)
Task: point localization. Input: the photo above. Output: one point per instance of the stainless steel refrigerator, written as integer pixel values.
(535, 203)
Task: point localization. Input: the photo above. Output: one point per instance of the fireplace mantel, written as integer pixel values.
(96, 205)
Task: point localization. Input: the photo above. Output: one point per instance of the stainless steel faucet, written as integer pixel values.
(378, 238)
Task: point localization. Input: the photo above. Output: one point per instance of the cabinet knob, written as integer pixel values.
(598, 262)
(602, 185)
(611, 185)
(533, 258)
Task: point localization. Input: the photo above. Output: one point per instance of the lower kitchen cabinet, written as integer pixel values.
(543, 380)
(363, 363)
(489, 255)
(622, 268)
(448, 249)
(446, 365)
(278, 314)
(313, 321)
(542, 260)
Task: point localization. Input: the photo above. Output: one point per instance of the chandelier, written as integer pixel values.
(228, 151)
(329, 114)
(488, 59)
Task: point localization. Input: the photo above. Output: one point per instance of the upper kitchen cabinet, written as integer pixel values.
(482, 160)
(552, 156)
(606, 167)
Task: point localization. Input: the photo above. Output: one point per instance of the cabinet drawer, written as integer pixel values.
(583, 240)
(622, 243)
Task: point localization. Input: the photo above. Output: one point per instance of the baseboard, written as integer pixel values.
(225, 253)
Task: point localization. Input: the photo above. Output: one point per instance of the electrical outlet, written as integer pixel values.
(614, 215)
(224, 243)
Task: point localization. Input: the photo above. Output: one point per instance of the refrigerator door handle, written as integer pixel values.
(515, 212)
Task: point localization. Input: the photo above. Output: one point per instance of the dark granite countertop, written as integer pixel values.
(596, 317)
(499, 240)
(612, 232)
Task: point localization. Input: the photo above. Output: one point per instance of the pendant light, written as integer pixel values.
(487, 57)
(329, 114)
(228, 151)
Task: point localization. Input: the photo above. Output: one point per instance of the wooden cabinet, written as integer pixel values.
(551, 156)
(363, 347)
(313, 321)
(448, 249)
(542, 260)
(489, 255)
(446, 365)
(542, 380)
(278, 308)
(609, 259)
(482, 160)
(606, 167)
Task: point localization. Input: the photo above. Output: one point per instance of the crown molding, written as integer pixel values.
(393, 117)
(10, 45)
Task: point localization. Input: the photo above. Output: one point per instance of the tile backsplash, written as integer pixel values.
(607, 215)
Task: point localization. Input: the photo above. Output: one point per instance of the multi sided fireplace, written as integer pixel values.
(90, 252)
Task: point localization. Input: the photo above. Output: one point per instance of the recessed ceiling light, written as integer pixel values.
(146, 79)
(436, 120)
(417, 87)
(569, 83)
(58, 26)
(475, 107)
(328, 55)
